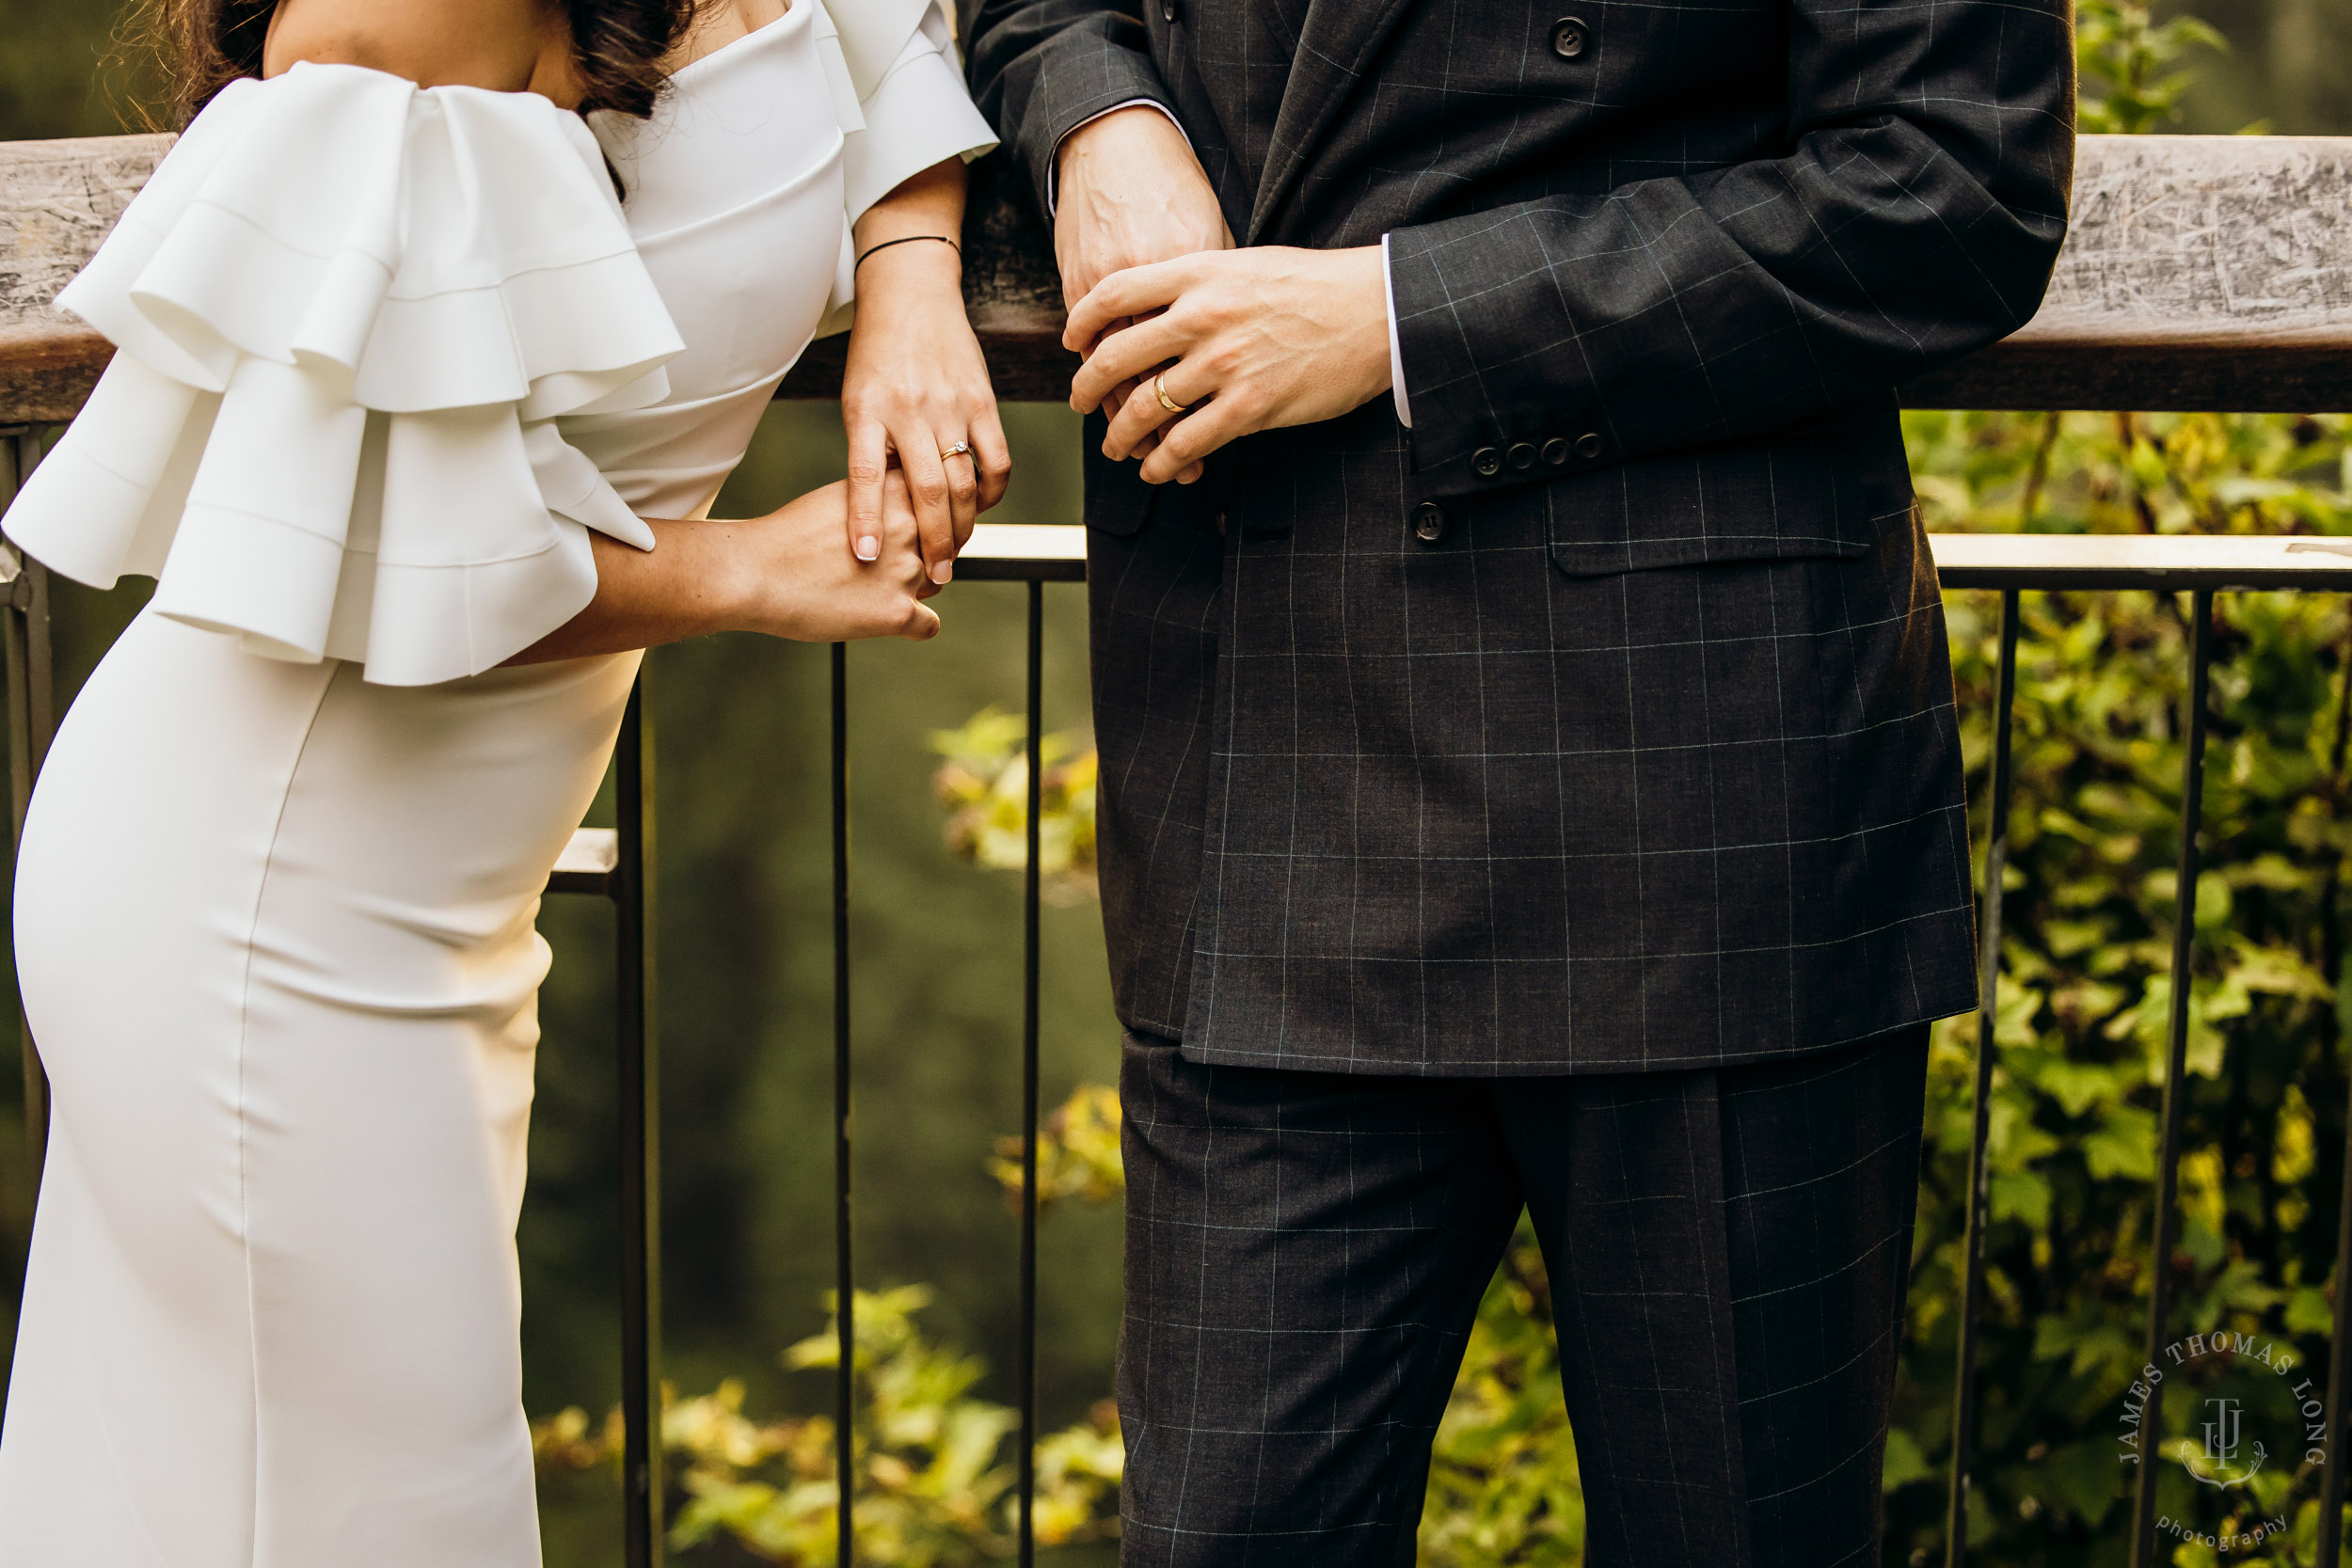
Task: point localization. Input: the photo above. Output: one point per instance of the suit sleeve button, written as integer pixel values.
(1569, 36)
(1556, 452)
(1429, 522)
(1590, 445)
(1522, 456)
(1486, 461)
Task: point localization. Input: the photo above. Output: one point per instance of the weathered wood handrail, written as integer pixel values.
(2203, 272)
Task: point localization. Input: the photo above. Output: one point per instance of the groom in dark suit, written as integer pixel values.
(1529, 773)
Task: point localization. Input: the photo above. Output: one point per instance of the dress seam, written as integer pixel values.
(245, 1020)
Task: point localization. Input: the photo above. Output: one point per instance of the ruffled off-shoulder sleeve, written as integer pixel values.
(346, 310)
(899, 94)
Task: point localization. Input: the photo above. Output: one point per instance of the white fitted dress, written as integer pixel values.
(386, 356)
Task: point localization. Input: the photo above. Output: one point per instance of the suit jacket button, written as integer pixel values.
(1169, 10)
(1568, 38)
(1486, 461)
(1429, 522)
(1589, 446)
(1522, 456)
(1556, 452)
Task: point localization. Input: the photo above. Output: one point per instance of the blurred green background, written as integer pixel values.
(744, 965)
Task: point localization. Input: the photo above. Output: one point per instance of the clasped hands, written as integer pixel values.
(1163, 310)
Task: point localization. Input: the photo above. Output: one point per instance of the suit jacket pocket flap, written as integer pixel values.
(1751, 504)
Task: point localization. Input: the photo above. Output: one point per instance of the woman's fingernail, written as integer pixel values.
(869, 549)
(943, 572)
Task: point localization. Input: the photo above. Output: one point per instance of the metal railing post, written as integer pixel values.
(1024, 1372)
(642, 1485)
(845, 1276)
(2330, 1544)
(1980, 1169)
(2176, 1068)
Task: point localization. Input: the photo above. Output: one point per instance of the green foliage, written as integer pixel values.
(2085, 991)
(2126, 57)
(1078, 1152)
(934, 1469)
(1504, 1486)
(985, 784)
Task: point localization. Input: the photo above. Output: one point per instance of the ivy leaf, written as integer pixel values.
(2021, 1195)
(2123, 1146)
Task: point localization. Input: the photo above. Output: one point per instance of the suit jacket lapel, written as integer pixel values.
(1340, 38)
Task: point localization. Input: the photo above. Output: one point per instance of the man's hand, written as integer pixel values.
(1128, 192)
(1243, 340)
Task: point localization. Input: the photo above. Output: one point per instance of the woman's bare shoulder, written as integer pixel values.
(720, 22)
(504, 45)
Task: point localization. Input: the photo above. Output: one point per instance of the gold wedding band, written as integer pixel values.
(1159, 388)
(962, 448)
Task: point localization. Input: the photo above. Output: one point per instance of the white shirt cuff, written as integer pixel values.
(1396, 344)
(1052, 193)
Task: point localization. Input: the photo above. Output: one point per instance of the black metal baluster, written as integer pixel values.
(24, 640)
(1980, 1171)
(642, 1481)
(2330, 1544)
(1025, 1360)
(2339, 1368)
(2176, 1068)
(844, 1278)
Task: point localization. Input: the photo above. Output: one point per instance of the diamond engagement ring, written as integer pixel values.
(962, 448)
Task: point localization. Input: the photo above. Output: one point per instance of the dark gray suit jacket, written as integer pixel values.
(1602, 721)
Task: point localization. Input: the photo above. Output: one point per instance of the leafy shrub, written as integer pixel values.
(935, 1473)
(985, 784)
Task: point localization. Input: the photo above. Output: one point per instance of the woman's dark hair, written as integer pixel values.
(207, 44)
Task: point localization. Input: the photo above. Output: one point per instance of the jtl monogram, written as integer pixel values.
(2219, 1464)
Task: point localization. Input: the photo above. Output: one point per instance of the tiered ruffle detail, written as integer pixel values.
(347, 309)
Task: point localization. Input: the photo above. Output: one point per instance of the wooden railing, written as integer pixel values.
(2201, 273)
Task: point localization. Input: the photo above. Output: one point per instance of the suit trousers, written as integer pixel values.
(1728, 1249)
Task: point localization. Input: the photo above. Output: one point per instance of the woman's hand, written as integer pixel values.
(916, 387)
(795, 580)
(1241, 340)
(785, 574)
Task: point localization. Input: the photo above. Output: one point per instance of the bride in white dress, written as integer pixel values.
(417, 423)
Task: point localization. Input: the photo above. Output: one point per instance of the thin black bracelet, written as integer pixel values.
(909, 240)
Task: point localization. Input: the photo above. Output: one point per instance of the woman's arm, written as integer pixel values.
(784, 575)
(917, 384)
